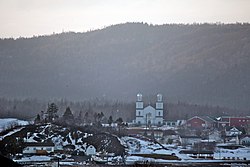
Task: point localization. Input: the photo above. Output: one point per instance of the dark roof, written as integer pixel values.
(45, 144)
(189, 137)
(169, 132)
(208, 119)
(196, 152)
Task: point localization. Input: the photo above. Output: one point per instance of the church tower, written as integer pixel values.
(139, 109)
(159, 110)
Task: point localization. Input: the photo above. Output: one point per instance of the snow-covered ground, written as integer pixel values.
(138, 146)
(10, 133)
(6, 123)
(239, 153)
(135, 147)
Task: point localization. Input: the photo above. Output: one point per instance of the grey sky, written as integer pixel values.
(38, 17)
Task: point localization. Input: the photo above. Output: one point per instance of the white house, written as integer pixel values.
(38, 148)
(245, 141)
(233, 132)
(149, 115)
(90, 150)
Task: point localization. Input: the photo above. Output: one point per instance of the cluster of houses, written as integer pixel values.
(226, 129)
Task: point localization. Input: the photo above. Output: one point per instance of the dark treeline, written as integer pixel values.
(29, 108)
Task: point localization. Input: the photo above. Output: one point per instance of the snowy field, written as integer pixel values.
(7, 123)
(135, 147)
(239, 153)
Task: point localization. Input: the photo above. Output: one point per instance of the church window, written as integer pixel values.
(159, 113)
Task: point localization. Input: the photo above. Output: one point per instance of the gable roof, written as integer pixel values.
(204, 118)
(149, 107)
(208, 119)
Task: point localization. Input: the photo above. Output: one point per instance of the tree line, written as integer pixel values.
(96, 110)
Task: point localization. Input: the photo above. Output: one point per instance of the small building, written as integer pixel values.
(175, 123)
(90, 150)
(38, 148)
(233, 132)
(200, 122)
(245, 140)
(230, 121)
(146, 132)
(189, 140)
(215, 135)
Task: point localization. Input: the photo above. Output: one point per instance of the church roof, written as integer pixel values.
(149, 107)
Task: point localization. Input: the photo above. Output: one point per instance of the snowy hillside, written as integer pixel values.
(7, 123)
(74, 140)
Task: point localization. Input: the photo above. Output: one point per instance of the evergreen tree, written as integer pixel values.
(119, 122)
(37, 119)
(52, 112)
(68, 114)
(110, 120)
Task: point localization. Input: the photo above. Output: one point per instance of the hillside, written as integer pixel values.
(204, 64)
(74, 140)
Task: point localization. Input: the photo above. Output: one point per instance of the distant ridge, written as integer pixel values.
(200, 63)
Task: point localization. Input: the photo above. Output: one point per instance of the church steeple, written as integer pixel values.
(159, 102)
(139, 102)
(159, 108)
(139, 107)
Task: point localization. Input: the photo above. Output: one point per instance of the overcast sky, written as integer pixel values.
(38, 17)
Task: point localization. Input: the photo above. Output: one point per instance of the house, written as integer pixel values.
(175, 123)
(229, 121)
(170, 136)
(38, 148)
(146, 132)
(189, 140)
(200, 122)
(245, 140)
(90, 150)
(149, 115)
(233, 132)
(215, 135)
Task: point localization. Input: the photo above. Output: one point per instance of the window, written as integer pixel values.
(139, 122)
(48, 149)
(159, 122)
(159, 113)
(139, 113)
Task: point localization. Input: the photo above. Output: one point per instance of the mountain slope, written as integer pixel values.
(206, 64)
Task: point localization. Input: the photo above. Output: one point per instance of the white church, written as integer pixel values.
(149, 115)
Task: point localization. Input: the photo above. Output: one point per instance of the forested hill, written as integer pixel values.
(204, 64)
